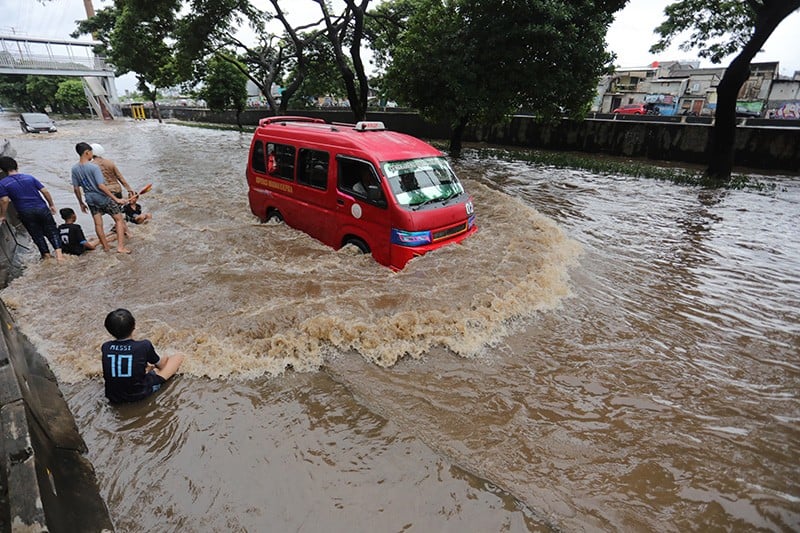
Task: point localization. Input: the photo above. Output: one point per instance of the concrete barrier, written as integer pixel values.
(760, 143)
(46, 482)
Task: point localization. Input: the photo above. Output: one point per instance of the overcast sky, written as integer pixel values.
(630, 36)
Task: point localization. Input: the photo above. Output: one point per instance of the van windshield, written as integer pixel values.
(415, 182)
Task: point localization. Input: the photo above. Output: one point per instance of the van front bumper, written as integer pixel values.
(401, 255)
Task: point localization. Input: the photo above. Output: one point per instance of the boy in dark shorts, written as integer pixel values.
(133, 211)
(128, 364)
(73, 241)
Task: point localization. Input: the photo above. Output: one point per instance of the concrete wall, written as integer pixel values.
(46, 483)
(757, 146)
(760, 143)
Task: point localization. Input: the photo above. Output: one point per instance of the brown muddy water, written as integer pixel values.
(606, 354)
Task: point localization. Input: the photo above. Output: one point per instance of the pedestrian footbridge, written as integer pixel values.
(25, 55)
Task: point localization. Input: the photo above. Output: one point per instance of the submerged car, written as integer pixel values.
(36, 123)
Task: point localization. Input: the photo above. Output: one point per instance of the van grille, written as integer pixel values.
(449, 232)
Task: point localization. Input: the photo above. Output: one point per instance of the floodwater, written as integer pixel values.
(606, 353)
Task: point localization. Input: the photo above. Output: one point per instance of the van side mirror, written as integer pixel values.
(375, 195)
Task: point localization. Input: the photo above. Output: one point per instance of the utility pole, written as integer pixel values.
(87, 4)
(89, 8)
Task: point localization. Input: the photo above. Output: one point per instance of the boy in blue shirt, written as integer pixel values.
(88, 181)
(132, 369)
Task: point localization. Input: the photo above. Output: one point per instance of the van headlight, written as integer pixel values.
(410, 238)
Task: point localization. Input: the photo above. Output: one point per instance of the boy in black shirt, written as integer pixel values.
(132, 369)
(73, 241)
(133, 211)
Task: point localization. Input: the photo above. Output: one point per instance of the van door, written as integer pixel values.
(362, 209)
(312, 194)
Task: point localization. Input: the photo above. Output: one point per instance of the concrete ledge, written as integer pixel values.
(46, 483)
(25, 511)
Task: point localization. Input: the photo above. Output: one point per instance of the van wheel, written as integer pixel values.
(273, 214)
(358, 243)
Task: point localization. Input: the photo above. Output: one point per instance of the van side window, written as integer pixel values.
(284, 160)
(258, 162)
(356, 177)
(313, 168)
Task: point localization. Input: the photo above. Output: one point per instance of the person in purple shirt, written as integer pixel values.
(28, 196)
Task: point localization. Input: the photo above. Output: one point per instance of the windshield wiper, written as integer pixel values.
(453, 194)
(415, 207)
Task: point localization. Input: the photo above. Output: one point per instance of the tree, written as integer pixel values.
(71, 95)
(718, 29)
(42, 90)
(135, 36)
(348, 30)
(225, 87)
(207, 30)
(13, 89)
(322, 78)
(465, 60)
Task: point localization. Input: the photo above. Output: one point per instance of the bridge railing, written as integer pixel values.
(23, 53)
(33, 61)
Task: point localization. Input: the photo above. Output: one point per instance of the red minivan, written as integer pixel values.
(387, 193)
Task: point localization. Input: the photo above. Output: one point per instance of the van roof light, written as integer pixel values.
(370, 125)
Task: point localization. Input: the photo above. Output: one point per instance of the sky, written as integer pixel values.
(629, 37)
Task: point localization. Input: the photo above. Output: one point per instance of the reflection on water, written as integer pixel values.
(617, 354)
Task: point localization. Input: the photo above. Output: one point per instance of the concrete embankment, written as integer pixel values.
(46, 482)
(760, 143)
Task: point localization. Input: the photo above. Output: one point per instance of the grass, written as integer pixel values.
(605, 165)
(214, 126)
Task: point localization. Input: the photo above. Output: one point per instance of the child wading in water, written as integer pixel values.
(127, 369)
(133, 211)
(73, 241)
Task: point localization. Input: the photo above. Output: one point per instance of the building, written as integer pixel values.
(683, 88)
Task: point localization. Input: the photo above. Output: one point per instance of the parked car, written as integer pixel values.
(36, 123)
(746, 113)
(631, 109)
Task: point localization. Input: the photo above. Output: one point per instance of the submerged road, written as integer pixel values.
(607, 353)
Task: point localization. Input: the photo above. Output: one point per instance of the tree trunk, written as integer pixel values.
(456, 135)
(156, 110)
(723, 136)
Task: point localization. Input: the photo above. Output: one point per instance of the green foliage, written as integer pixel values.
(71, 96)
(715, 29)
(136, 37)
(42, 90)
(322, 76)
(225, 86)
(463, 60)
(13, 91)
